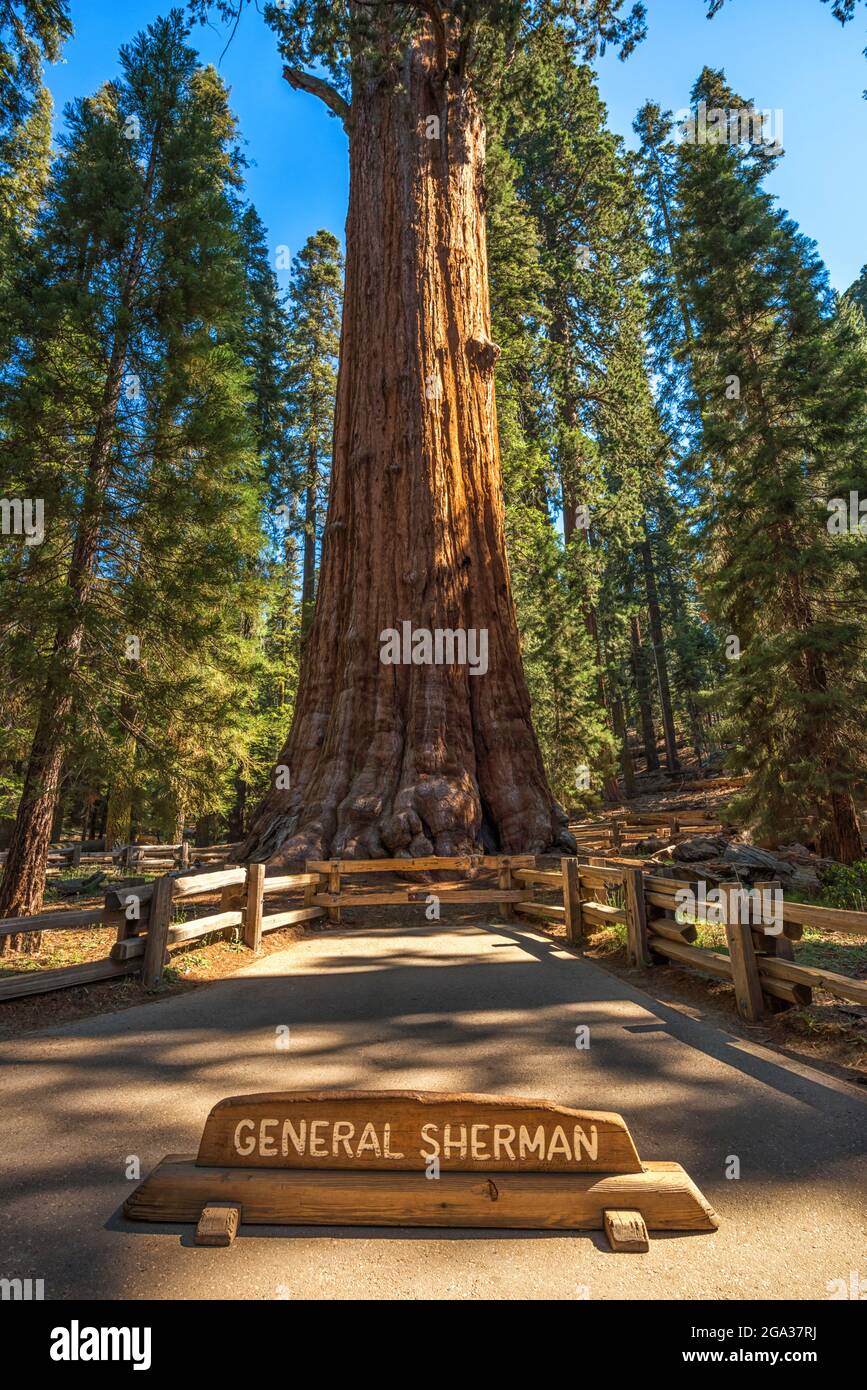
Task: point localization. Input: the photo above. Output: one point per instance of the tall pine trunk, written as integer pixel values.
(23, 884)
(642, 690)
(412, 759)
(121, 792)
(656, 636)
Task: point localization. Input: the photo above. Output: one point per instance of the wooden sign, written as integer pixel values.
(412, 1130)
(418, 1158)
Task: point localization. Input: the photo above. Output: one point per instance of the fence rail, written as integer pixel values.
(629, 828)
(149, 857)
(146, 918)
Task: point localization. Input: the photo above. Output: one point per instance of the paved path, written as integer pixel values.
(456, 1008)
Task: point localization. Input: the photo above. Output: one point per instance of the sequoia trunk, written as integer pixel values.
(397, 759)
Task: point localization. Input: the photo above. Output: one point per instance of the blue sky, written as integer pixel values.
(789, 55)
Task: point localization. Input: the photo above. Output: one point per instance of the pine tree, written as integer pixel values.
(130, 417)
(30, 32)
(780, 384)
(314, 328)
(573, 177)
(857, 292)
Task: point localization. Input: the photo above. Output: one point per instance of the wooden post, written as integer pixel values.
(637, 949)
(311, 888)
(184, 855)
(75, 856)
(745, 969)
(156, 940)
(334, 887)
(572, 900)
(504, 880)
(253, 906)
(777, 947)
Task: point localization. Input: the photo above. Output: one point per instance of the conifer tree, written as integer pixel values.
(314, 329)
(130, 412)
(31, 31)
(780, 383)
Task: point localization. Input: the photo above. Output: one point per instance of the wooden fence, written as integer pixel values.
(620, 831)
(146, 858)
(586, 895)
(760, 966)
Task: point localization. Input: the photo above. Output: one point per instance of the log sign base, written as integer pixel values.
(418, 1158)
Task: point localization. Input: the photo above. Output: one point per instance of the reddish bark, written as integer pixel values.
(397, 759)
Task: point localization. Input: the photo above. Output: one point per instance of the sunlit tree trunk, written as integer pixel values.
(413, 759)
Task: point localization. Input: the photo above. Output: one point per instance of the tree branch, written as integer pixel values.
(302, 81)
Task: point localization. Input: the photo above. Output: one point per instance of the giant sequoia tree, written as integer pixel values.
(390, 759)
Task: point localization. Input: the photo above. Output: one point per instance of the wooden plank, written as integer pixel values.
(637, 951)
(745, 969)
(253, 907)
(626, 1231)
(156, 941)
(664, 1194)
(275, 920)
(572, 915)
(193, 885)
(671, 930)
(544, 911)
(218, 1225)
(469, 895)
(709, 962)
(380, 1130)
(179, 935)
(815, 977)
(127, 948)
(283, 883)
(668, 887)
(403, 866)
(602, 914)
(826, 918)
(547, 878)
(204, 926)
(788, 993)
(115, 898)
(67, 977)
(667, 902)
(601, 878)
(360, 898)
(52, 921)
